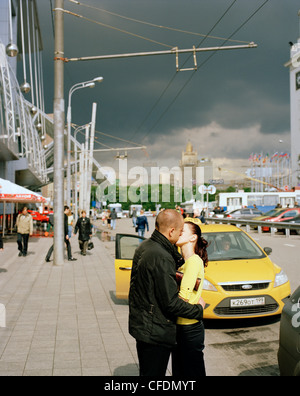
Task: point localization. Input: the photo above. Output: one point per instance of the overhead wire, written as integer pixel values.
(153, 41)
(175, 75)
(200, 66)
(152, 24)
(117, 29)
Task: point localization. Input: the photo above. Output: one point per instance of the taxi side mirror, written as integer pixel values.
(268, 250)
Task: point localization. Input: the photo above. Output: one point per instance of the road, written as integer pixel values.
(240, 347)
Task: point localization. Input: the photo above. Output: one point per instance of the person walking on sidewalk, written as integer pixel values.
(113, 218)
(67, 241)
(1, 243)
(24, 230)
(154, 302)
(134, 217)
(84, 227)
(141, 224)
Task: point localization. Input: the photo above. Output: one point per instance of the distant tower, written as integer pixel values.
(294, 66)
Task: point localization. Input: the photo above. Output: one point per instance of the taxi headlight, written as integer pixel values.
(208, 286)
(281, 279)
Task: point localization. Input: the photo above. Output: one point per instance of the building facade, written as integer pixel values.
(201, 170)
(294, 68)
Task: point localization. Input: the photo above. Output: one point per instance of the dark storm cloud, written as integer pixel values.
(236, 90)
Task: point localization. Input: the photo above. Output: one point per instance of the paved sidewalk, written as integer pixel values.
(62, 320)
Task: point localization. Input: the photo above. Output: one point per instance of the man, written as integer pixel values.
(134, 216)
(24, 230)
(113, 219)
(142, 223)
(1, 243)
(67, 241)
(154, 302)
(84, 227)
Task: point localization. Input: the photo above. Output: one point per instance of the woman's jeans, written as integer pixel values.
(188, 357)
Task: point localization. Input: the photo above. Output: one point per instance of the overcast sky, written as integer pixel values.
(237, 102)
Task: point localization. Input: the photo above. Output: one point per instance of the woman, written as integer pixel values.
(188, 358)
(70, 224)
(84, 227)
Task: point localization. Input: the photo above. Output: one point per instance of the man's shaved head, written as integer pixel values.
(170, 223)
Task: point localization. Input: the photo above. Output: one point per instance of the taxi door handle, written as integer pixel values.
(125, 268)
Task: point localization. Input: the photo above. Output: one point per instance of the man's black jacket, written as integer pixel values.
(154, 304)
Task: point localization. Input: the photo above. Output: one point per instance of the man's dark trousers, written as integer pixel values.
(153, 359)
(23, 243)
(67, 242)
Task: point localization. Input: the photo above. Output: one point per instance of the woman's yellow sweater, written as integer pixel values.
(192, 270)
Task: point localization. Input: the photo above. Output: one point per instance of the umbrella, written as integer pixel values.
(13, 193)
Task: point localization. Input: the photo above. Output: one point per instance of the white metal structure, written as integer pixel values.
(22, 123)
(18, 131)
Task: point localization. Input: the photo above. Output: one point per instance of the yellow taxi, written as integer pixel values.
(240, 281)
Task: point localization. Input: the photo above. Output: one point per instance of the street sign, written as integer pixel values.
(207, 190)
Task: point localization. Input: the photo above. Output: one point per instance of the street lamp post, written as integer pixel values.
(76, 87)
(79, 129)
(59, 121)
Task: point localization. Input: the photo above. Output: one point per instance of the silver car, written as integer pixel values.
(245, 214)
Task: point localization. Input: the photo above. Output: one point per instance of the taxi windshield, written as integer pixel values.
(232, 246)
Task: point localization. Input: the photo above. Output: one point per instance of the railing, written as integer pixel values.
(274, 226)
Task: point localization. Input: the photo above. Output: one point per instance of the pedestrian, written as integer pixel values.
(134, 217)
(84, 227)
(198, 215)
(141, 224)
(70, 224)
(103, 218)
(190, 333)
(66, 239)
(113, 219)
(24, 230)
(154, 302)
(1, 244)
(108, 218)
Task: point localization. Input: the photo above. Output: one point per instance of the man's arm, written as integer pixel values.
(166, 290)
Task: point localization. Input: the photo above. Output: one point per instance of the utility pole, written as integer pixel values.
(59, 127)
(91, 156)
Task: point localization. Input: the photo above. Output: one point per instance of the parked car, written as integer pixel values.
(295, 220)
(245, 214)
(282, 216)
(240, 281)
(289, 343)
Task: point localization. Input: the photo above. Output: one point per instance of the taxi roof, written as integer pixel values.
(210, 228)
(214, 227)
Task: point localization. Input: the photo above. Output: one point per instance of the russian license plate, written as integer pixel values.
(247, 302)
